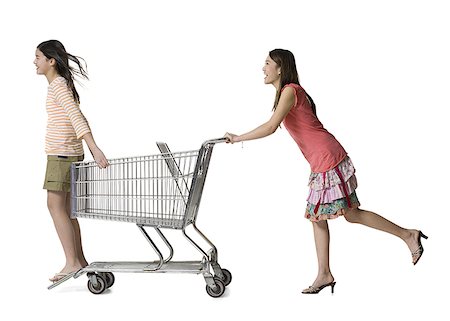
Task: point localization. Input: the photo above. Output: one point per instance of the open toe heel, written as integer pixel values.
(315, 290)
(417, 254)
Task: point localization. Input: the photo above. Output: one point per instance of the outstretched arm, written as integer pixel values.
(285, 104)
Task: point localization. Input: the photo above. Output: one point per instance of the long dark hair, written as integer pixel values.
(289, 75)
(55, 49)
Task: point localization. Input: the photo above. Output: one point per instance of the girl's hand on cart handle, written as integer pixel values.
(100, 158)
(231, 138)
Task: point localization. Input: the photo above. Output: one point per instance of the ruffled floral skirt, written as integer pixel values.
(331, 192)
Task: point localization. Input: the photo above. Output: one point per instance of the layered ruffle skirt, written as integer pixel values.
(331, 192)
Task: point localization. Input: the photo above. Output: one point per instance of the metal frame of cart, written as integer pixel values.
(158, 191)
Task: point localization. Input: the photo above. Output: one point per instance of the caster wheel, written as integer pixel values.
(226, 277)
(109, 278)
(220, 288)
(100, 287)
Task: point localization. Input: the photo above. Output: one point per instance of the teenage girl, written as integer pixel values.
(332, 181)
(66, 127)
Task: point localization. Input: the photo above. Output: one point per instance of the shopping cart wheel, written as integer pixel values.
(100, 287)
(109, 278)
(226, 277)
(220, 288)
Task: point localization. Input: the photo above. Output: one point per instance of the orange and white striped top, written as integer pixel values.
(66, 124)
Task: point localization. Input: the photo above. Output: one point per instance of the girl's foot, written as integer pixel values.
(320, 282)
(67, 270)
(59, 276)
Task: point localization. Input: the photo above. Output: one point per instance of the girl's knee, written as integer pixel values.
(54, 207)
(55, 202)
(351, 215)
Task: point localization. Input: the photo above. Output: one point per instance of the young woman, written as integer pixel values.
(66, 127)
(332, 182)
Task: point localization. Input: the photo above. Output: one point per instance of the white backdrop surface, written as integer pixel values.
(187, 71)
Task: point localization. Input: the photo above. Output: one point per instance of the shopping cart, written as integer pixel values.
(159, 191)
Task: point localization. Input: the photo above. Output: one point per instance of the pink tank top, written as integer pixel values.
(322, 151)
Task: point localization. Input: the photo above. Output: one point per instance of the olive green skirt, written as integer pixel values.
(57, 175)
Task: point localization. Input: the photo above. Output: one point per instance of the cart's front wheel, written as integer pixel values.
(100, 287)
(220, 288)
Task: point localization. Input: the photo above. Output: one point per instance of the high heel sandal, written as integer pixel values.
(315, 290)
(418, 253)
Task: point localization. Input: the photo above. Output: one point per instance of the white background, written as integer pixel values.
(187, 71)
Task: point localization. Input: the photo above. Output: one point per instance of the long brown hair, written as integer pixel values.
(55, 49)
(289, 75)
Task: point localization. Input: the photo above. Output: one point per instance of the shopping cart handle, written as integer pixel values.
(214, 141)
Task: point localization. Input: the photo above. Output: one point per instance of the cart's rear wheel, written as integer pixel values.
(226, 277)
(220, 288)
(109, 278)
(101, 285)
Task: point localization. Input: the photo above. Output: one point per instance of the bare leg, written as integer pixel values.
(76, 229)
(322, 240)
(373, 220)
(56, 202)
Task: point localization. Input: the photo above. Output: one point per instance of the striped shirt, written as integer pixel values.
(66, 124)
